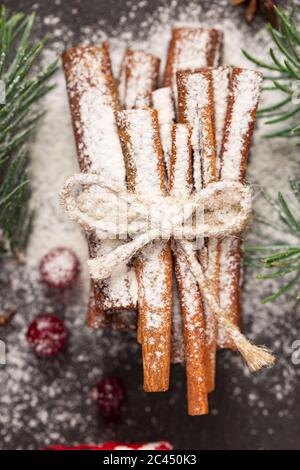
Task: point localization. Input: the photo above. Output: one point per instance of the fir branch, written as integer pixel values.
(280, 260)
(18, 117)
(285, 60)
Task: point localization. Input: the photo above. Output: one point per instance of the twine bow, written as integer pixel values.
(222, 209)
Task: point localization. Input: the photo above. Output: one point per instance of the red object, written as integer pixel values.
(160, 445)
(46, 335)
(59, 268)
(109, 394)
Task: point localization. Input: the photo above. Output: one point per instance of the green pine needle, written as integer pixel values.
(18, 116)
(280, 260)
(285, 60)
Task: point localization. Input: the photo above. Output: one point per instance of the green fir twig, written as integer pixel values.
(285, 61)
(280, 260)
(18, 116)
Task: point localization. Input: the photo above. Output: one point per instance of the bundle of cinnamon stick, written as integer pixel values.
(175, 140)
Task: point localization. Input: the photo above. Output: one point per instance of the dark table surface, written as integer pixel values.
(50, 403)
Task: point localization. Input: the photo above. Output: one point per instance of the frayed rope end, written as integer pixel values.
(256, 357)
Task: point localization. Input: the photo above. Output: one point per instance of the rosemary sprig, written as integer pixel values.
(18, 116)
(285, 60)
(280, 260)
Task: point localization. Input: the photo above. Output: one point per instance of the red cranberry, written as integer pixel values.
(109, 394)
(46, 335)
(59, 268)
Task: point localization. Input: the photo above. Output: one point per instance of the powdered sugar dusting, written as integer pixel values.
(138, 78)
(196, 97)
(190, 298)
(154, 287)
(245, 89)
(220, 88)
(93, 103)
(140, 132)
(229, 264)
(182, 168)
(143, 153)
(164, 104)
(59, 268)
(191, 48)
(245, 95)
(48, 404)
(102, 145)
(177, 344)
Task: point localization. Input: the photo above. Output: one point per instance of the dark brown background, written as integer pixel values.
(235, 423)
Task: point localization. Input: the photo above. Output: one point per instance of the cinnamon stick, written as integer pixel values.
(139, 132)
(93, 99)
(220, 76)
(244, 90)
(138, 78)
(181, 185)
(196, 108)
(191, 48)
(177, 340)
(123, 320)
(164, 104)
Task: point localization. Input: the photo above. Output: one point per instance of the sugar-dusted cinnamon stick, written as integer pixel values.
(164, 104)
(93, 100)
(220, 77)
(123, 320)
(244, 90)
(196, 108)
(138, 78)
(119, 292)
(229, 249)
(139, 132)
(230, 284)
(243, 99)
(191, 48)
(221, 91)
(181, 185)
(177, 340)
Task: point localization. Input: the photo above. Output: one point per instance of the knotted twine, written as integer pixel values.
(226, 208)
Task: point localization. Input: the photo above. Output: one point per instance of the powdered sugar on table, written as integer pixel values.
(48, 402)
